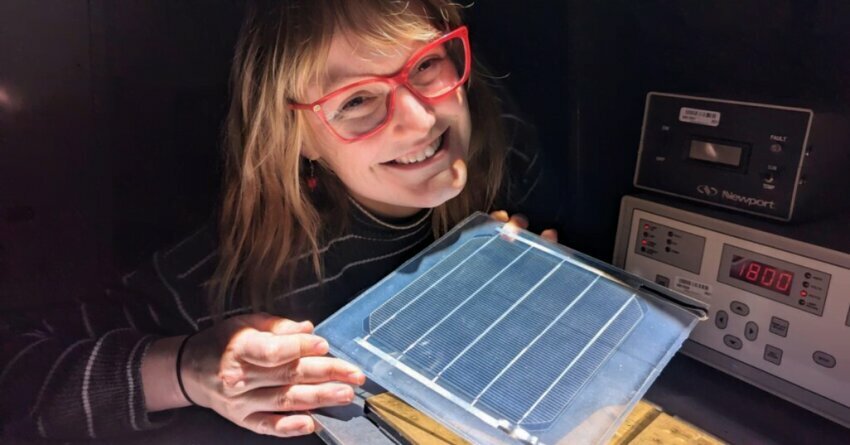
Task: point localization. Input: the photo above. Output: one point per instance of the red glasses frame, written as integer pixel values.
(395, 81)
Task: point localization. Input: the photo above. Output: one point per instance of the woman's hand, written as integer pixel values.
(252, 369)
(521, 222)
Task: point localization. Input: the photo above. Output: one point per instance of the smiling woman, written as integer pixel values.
(423, 99)
(357, 132)
(318, 48)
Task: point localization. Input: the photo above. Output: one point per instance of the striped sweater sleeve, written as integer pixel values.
(74, 371)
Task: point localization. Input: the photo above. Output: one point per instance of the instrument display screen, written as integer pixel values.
(716, 153)
(761, 274)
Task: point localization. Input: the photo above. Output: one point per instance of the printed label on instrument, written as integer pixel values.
(688, 286)
(697, 116)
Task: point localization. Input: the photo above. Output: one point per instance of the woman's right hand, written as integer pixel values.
(255, 369)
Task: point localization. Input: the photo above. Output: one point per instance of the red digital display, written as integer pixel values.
(761, 275)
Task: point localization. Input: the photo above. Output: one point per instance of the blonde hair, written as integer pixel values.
(267, 217)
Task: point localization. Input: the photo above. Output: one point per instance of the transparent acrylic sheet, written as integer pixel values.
(507, 338)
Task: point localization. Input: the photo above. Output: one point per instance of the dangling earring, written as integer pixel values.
(312, 181)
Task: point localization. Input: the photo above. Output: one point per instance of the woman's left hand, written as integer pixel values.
(521, 222)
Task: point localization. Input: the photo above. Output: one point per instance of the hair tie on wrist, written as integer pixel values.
(180, 374)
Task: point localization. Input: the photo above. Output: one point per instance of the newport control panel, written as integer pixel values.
(780, 307)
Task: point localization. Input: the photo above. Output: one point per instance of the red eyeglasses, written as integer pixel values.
(363, 108)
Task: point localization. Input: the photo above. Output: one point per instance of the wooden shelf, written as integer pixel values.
(645, 425)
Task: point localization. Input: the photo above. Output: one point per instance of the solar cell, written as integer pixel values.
(514, 335)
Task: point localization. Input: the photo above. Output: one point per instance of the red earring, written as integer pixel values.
(312, 181)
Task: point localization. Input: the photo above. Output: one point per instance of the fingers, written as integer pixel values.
(284, 326)
(276, 325)
(300, 397)
(305, 370)
(550, 235)
(280, 425)
(269, 350)
(518, 220)
(500, 215)
(458, 174)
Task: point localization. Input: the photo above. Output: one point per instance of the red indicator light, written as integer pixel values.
(803, 293)
(643, 241)
(646, 227)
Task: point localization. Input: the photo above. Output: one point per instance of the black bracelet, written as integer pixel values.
(180, 374)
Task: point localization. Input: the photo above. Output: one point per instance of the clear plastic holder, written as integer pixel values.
(507, 338)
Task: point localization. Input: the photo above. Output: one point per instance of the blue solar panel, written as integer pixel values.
(509, 333)
(476, 296)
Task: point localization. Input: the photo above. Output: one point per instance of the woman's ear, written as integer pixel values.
(308, 153)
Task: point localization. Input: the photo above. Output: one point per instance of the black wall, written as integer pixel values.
(581, 69)
(109, 127)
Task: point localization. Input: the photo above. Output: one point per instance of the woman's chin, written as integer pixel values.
(436, 199)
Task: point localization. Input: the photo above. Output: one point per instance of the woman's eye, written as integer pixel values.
(355, 106)
(427, 64)
(353, 103)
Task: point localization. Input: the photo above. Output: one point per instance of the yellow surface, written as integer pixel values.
(412, 424)
(640, 417)
(666, 429)
(645, 425)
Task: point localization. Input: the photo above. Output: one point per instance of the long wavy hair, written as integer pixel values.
(267, 216)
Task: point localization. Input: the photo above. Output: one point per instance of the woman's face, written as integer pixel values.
(412, 162)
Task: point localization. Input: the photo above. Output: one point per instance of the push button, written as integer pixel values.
(751, 331)
(779, 326)
(739, 308)
(824, 359)
(662, 280)
(773, 354)
(732, 341)
(721, 319)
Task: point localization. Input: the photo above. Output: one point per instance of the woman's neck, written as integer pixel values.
(383, 209)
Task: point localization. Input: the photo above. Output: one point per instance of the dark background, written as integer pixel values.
(110, 116)
(110, 111)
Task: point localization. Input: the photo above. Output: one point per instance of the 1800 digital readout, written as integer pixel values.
(761, 274)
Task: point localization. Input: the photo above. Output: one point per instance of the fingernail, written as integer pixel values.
(305, 428)
(357, 376)
(321, 345)
(344, 394)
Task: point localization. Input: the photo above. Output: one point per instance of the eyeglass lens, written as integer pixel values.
(361, 109)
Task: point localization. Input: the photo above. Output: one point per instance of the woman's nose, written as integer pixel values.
(411, 113)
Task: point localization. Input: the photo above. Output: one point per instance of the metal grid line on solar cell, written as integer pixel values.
(521, 353)
(495, 323)
(470, 297)
(577, 387)
(438, 272)
(435, 324)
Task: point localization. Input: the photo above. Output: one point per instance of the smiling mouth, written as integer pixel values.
(422, 156)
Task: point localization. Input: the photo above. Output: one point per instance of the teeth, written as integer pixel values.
(423, 155)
